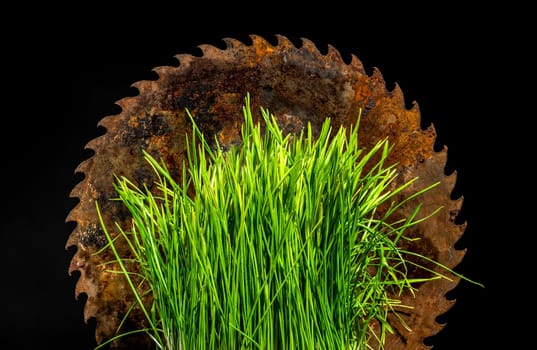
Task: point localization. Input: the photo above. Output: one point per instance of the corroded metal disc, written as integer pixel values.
(298, 85)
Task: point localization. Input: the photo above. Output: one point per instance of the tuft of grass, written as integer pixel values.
(277, 243)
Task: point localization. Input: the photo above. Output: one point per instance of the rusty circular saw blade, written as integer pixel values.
(298, 85)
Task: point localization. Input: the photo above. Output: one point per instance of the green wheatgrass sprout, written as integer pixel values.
(281, 245)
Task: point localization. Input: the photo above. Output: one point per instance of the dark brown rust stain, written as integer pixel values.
(298, 85)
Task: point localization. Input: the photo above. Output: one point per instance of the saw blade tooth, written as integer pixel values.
(397, 95)
(107, 122)
(72, 240)
(357, 63)
(95, 143)
(451, 180)
(455, 205)
(142, 86)
(232, 43)
(458, 231)
(333, 54)
(75, 193)
(185, 59)
(415, 108)
(81, 169)
(90, 311)
(163, 71)
(432, 131)
(209, 50)
(71, 217)
(443, 305)
(125, 102)
(308, 45)
(377, 76)
(284, 42)
(77, 263)
(455, 256)
(443, 153)
(258, 40)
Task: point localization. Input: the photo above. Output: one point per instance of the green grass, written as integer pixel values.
(274, 244)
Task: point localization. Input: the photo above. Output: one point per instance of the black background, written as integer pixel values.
(64, 68)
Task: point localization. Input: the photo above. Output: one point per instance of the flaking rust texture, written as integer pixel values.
(298, 85)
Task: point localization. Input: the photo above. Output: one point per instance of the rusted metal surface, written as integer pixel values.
(298, 85)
